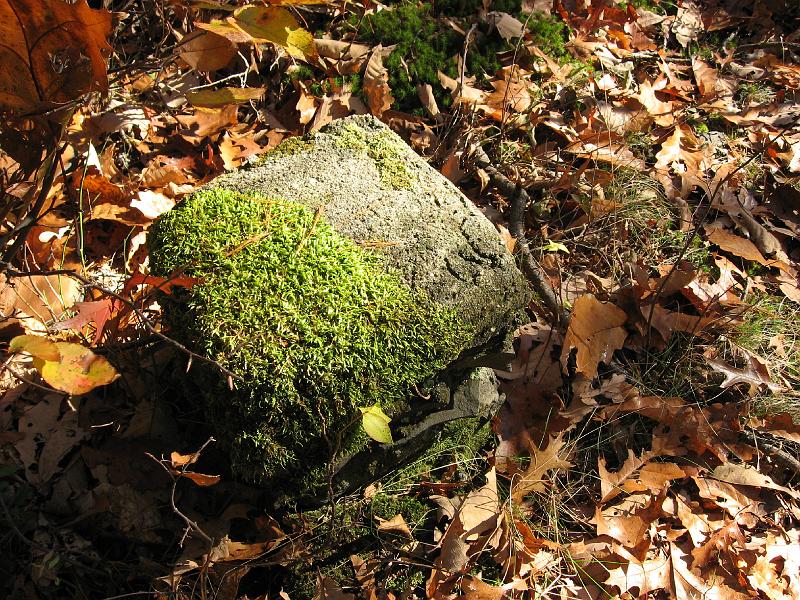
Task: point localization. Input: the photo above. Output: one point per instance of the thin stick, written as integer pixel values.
(516, 219)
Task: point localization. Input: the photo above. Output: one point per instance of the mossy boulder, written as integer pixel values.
(336, 274)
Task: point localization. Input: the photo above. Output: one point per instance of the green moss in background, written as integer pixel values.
(426, 44)
(316, 325)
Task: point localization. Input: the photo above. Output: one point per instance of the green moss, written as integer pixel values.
(465, 8)
(388, 156)
(426, 44)
(292, 145)
(316, 325)
(423, 48)
(753, 92)
(550, 35)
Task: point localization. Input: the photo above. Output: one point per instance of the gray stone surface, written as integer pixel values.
(374, 189)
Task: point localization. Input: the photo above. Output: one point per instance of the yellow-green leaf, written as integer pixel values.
(376, 424)
(224, 96)
(555, 247)
(278, 26)
(35, 345)
(77, 370)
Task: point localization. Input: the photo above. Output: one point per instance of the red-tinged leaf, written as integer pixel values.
(78, 370)
(35, 345)
(200, 479)
(164, 284)
(97, 311)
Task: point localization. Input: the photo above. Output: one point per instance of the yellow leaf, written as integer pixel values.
(78, 370)
(376, 424)
(224, 96)
(35, 345)
(278, 26)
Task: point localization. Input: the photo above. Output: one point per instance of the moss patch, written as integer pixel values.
(427, 44)
(381, 147)
(384, 151)
(316, 326)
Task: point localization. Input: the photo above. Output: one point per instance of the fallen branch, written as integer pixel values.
(516, 225)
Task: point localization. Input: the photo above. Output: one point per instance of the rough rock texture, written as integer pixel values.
(377, 191)
(338, 273)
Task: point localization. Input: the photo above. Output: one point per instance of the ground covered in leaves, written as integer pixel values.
(648, 445)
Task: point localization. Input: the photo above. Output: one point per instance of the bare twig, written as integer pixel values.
(190, 525)
(519, 203)
(19, 233)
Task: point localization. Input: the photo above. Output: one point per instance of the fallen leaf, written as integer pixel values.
(40, 297)
(688, 23)
(205, 51)
(152, 204)
(328, 589)
(77, 370)
(376, 424)
(35, 345)
(719, 542)
(260, 24)
(376, 82)
(344, 57)
(755, 374)
(96, 311)
(507, 26)
(595, 329)
(534, 478)
(52, 52)
(397, 525)
(207, 122)
(746, 475)
(224, 96)
(473, 588)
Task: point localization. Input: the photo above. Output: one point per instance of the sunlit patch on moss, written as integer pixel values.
(316, 325)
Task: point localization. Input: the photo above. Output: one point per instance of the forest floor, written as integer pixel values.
(649, 445)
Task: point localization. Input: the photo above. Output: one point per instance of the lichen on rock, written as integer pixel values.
(317, 326)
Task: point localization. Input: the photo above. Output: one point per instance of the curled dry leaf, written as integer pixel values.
(397, 524)
(224, 96)
(345, 58)
(755, 374)
(376, 82)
